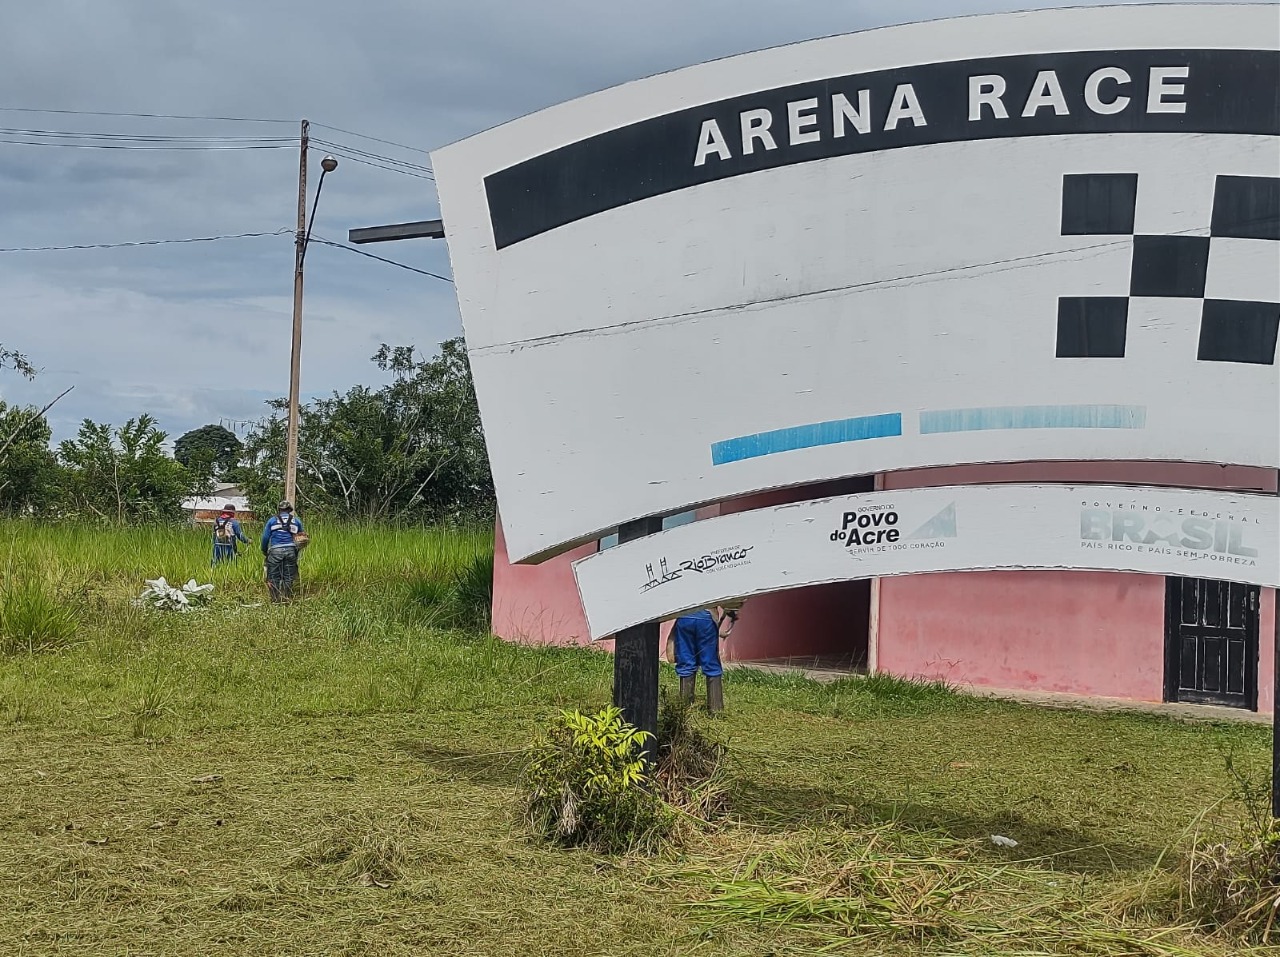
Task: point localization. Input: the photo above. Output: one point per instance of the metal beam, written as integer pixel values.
(425, 229)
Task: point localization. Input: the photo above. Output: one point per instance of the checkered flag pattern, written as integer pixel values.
(1174, 266)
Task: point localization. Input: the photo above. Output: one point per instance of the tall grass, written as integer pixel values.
(32, 617)
(344, 556)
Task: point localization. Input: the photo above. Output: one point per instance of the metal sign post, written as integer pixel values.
(635, 658)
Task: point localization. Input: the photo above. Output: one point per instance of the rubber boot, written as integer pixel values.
(715, 694)
(686, 687)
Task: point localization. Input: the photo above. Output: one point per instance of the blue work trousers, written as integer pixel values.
(697, 641)
(225, 553)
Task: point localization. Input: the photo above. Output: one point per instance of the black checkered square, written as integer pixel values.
(1234, 331)
(1092, 327)
(1246, 207)
(1170, 267)
(1099, 204)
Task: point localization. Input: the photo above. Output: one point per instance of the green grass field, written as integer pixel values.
(341, 776)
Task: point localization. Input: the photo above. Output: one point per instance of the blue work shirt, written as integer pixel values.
(237, 534)
(277, 533)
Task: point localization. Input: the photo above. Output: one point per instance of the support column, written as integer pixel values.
(1275, 694)
(1275, 709)
(873, 612)
(635, 657)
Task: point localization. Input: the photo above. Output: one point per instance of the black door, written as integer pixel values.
(1211, 642)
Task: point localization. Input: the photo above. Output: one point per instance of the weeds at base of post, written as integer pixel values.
(1232, 882)
(691, 773)
(589, 786)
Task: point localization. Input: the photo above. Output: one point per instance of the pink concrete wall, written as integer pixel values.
(538, 604)
(1087, 633)
(1079, 632)
(804, 622)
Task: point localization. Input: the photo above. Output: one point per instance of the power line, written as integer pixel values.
(357, 156)
(420, 167)
(143, 242)
(88, 140)
(390, 262)
(375, 159)
(197, 116)
(140, 137)
(365, 136)
(149, 116)
(389, 169)
(170, 148)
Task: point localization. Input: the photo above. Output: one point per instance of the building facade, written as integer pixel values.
(1042, 240)
(1097, 634)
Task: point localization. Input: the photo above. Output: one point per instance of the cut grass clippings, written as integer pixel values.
(342, 776)
(884, 885)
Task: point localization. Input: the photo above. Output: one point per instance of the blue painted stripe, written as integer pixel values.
(1034, 417)
(806, 437)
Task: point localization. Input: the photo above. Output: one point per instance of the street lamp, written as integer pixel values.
(301, 241)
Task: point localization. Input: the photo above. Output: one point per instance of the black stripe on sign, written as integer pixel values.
(1224, 91)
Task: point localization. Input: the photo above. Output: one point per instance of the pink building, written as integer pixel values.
(1139, 637)
(892, 254)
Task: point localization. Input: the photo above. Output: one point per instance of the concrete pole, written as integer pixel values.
(295, 355)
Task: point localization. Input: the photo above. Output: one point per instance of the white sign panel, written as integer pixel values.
(1031, 236)
(1196, 534)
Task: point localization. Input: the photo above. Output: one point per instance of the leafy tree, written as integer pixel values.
(123, 474)
(28, 469)
(436, 399)
(413, 447)
(16, 361)
(209, 450)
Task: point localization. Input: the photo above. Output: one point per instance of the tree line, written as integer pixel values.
(410, 450)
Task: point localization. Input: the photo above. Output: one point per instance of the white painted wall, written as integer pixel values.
(1198, 534)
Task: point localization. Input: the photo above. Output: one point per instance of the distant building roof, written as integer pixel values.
(215, 503)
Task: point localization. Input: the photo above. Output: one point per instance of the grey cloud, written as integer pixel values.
(202, 331)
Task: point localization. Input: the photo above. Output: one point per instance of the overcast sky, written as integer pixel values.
(199, 333)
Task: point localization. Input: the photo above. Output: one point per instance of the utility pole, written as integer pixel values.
(295, 355)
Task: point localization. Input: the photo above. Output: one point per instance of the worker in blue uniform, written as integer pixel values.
(227, 536)
(696, 637)
(280, 544)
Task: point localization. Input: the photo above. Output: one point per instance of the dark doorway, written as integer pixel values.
(823, 626)
(1211, 642)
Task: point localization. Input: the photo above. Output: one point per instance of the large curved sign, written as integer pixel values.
(1031, 236)
(1229, 537)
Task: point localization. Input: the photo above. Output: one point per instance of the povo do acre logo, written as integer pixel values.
(868, 526)
(878, 527)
